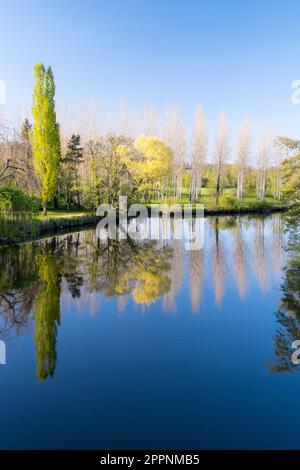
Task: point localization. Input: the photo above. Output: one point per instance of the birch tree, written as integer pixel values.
(243, 152)
(150, 124)
(263, 162)
(199, 154)
(124, 121)
(175, 139)
(221, 152)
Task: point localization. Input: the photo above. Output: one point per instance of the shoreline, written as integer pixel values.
(55, 226)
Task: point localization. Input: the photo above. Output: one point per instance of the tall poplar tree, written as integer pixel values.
(45, 136)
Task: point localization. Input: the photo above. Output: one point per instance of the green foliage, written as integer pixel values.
(228, 201)
(288, 315)
(26, 131)
(291, 172)
(69, 175)
(18, 212)
(14, 200)
(230, 176)
(108, 175)
(45, 137)
(46, 310)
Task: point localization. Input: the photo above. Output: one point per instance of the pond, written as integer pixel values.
(124, 344)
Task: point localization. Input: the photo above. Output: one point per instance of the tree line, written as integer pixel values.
(154, 165)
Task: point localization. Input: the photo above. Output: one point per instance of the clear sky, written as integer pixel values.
(226, 55)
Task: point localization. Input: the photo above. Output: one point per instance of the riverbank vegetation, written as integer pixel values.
(48, 165)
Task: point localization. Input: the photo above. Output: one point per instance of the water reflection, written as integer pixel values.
(46, 310)
(37, 277)
(288, 315)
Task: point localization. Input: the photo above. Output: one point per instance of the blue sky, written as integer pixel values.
(226, 55)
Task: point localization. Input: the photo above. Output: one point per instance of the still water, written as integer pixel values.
(145, 344)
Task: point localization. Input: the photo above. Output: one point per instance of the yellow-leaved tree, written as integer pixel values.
(151, 166)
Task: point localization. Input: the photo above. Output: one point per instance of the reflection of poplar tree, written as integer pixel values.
(47, 315)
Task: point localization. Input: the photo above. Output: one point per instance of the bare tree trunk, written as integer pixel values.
(45, 209)
(263, 161)
(218, 187)
(221, 151)
(199, 154)
(175, 138)
(243, 151)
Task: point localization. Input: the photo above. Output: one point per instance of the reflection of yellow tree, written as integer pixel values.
(148, 285)
(146, 277)
(46, 309)
(129, 267)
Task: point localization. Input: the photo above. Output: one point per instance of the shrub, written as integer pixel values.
(17, 213)
(227, 201)
(14, 200)
(171, 200)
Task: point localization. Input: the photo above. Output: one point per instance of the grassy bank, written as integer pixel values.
(56, 222)
(63, 214)
(228, 203)
(60, 221)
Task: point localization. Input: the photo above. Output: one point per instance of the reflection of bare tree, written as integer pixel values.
(277, 244)
(240, 259)
(219, 265)
(17, 289)
(15, 312)
(175, 275)
(259, 255)
(196, 278)
(122, 302)
(71, 266)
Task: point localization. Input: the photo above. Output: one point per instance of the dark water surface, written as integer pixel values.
(127, 344)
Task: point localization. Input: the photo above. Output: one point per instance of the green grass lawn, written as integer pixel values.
(209, 202)
(64, 214)
(207, 199)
